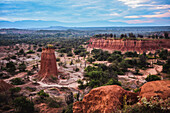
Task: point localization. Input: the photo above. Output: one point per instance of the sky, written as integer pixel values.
(130, 12)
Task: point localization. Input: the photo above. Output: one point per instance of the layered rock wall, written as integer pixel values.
(48, 64)
(129, 45)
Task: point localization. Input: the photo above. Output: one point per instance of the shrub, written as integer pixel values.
(113, 82)
(154, 105)
(23, 105)
(152, 78)
(11, 67)
(166, 67)
(22, 67)
(17, 81)
(39, 50)
(54, 103)
(57, 59)
(31, 89)
(13, 57)
(136, 90)
(30, 52)
(15, 90)
(68, 109)
(77, 69)
(69, 54)
(42, 94)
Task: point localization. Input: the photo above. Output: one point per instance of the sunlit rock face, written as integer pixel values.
(108, 99)
(48, 67)
(129, 45)
(159, 89)
(105, 99)
(4, 86)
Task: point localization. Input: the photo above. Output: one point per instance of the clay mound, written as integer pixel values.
(48, 69)
(156, 89)
(4, 86)
(105, 99)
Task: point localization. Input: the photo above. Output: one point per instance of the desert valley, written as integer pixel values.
(101, 73)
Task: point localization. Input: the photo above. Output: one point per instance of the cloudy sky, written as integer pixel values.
(131, 12)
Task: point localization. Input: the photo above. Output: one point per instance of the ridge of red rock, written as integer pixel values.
(103, 99)
(48, 64)
(128, 45)
(4, 86)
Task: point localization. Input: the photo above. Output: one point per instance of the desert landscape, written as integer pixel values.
(84, 56)
(61, 76)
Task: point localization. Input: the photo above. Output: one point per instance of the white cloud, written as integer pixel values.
(156, 15)
(133, 21)
(132, 17)
(133, 3)
(138, 21)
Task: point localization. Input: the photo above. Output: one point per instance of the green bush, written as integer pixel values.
(15, 90)
(42, 94)
(30, 52)
(22, 105)
(152, 78)
(57, 59)
(54, 103)
(17, 81)
(113, 82)
(31, 89)
(22, 67)
(39, 50)
(68, 109)
(166, 67)
(154, 105)
(69, 54)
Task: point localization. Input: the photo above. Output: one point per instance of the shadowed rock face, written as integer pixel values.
(4, 86)
(105, 99)
(156, 89)
(129, 45)
(48, 64)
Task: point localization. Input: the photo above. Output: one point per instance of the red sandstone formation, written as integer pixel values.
(48, 65)
(156, 88)
(105, 99)
(129, 45)
(4, 86)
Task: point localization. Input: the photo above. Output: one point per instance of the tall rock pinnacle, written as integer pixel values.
(48, 67)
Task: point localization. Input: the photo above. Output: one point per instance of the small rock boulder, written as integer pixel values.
(159, 89)
(105, 99)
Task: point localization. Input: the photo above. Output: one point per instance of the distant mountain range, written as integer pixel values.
(39, 24)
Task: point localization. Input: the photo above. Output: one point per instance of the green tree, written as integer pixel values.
(17, 81)
(22, 67)
(11, 67)
(152, 78)
(22, 105)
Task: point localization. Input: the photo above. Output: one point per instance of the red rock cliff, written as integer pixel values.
(129, 45)
(48, 64)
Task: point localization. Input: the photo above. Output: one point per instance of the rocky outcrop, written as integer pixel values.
(129, 45)
(48, 67)
(159, 89)
(4, 86)
(105, 99)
